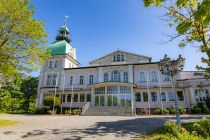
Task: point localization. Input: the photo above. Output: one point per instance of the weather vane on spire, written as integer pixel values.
(65, 18)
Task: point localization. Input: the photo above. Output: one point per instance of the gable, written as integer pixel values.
(120, 57)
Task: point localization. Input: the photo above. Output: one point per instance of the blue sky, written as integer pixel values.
(98, 27)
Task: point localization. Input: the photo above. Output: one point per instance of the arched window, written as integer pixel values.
(154, 76)
(125, 77)
(106, 77)
(116, 76)
(142, 77)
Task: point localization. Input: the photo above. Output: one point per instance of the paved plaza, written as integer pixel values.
(45, 127)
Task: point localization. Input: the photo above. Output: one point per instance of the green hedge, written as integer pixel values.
(49, 101)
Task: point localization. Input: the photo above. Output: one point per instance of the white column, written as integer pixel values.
(100, 74)
(130, 74)
(92, 97)
(132, 100)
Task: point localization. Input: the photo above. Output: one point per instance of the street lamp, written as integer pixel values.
(171, 68)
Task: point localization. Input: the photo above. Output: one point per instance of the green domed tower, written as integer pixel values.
(63, 34)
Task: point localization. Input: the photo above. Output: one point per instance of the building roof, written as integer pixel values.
(87, 67)
(60, 48)
(120, 51)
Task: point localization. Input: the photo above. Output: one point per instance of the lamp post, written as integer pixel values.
(171, 68)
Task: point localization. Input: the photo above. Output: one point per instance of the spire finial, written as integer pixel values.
(65, 18)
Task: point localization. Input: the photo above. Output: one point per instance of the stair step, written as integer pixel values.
(101, 111)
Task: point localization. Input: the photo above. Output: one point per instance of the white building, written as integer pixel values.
(117, 83)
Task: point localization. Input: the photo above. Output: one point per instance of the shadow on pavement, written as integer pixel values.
(121, 128)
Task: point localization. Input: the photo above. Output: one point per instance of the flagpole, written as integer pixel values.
(160, 92)
(71, 95)
(63, 92)
(148, 91)
(55, 94)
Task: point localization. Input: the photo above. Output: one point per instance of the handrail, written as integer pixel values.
(85, 107)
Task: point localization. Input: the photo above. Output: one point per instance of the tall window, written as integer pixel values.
(48, 79)
(50, 64)
(82, 97)
(75, 99)
(114, 58)
(142, 77)
(91, 79)
(54, 79)
(145, 96)
(138, 97)
(154, 76)
(56, 63)
(118, 57)
(81, 80)
(68, 97)
(116, 76)
(201, 95)
(71, 80)
(89, 97)
(166, 77)
(125, 77)
(163, 96)
(180, 95)
(106, 77)
(154, 96)
(122, 57)
(171, 96)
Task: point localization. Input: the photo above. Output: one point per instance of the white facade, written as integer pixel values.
(119, 79)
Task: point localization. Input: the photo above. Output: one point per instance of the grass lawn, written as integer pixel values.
(4, 123)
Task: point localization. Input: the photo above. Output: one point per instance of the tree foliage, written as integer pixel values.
(191, 20)
(21, 38)
(11, 96)
(49, 101)
(19, 94)
(29, 89)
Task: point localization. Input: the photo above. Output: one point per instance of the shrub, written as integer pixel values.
(40, 111)
(196, 110)
(49, 101)
(76, 112)
(202, 127)
(173, 129)
(67, 111)
(208, 102)
(172, 110)
(201, 105)
(182, 110)
(159, 111)
(206, 110)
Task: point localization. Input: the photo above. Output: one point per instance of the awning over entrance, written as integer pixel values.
(111, 84)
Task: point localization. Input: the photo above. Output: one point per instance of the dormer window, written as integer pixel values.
(118, 57)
